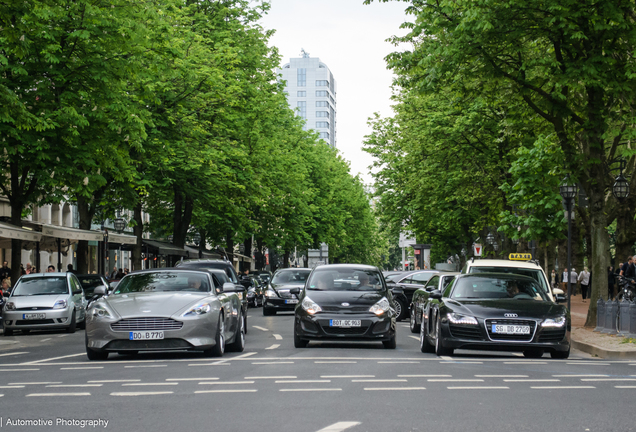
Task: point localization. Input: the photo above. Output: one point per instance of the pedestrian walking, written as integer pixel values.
(113, 274)
(584, 279)
(611, 280)
(120, 274)
(22, 270)
(5, 271)
(573, 279)
(554, 279)
(69, 269)
(564, 281)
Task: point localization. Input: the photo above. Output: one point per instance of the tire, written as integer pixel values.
(219, 348)
(415, 328)
(245, 323)
(533, 353)
(82, 325)
(440, 350)
(73, 326)
(425, 346)
(268, 312)
(95, 354)
(400, 309)
(239, 339)
(8, 332)
(298, 342)
(390, 344)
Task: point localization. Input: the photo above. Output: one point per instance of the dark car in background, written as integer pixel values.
(91, 281)
(255, 288)
(405, 285)
(346, 302)
(278, 296)
(438, 282)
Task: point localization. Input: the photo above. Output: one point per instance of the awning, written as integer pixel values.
(122, 239)
(71, 233)
(164, 248)
(243, 257)
(194, 253)
(8, 231)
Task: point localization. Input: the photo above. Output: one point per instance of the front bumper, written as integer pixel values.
(277, 303)
(316, 327)
(195, 334)
(478, 338)
(53, 319)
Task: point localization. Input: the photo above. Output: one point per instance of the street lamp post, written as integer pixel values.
(568, 192)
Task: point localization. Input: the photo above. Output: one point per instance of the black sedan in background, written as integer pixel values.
(278, 296)
(403, 287)
(344, 302)
(495, 311)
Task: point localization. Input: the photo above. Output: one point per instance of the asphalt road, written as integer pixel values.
(325, 387)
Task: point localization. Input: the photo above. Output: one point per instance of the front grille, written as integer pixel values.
(345, 310)
(511, 337)
(33, 308)
(552, 335)
(34, 322)
(465, 332)
(146, 324)
(345, 330)
(137, 345)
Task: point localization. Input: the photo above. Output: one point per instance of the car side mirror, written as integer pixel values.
(560, 298)
(295, 291)
(230, 287)
(78, 292)
(100, 290)
(436, 294)
(429, 289)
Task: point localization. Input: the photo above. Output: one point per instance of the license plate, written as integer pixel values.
(345, 323)
(291, 301)
(146, 335)
(510, 329)
(33, 316)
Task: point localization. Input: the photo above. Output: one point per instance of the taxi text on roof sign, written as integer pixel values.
(520, 256)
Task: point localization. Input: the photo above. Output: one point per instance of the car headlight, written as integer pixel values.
(554, 322)
(271, 293)
(380, 307)
(200, 309)
(60, 304)
(10, 306)
(311, 306)
(462, 319)
(99, 311)
(240, 295)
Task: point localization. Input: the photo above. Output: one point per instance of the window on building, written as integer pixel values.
(302, 109)
(322, 103)
(322, 83)
(322, 124)
(302, 77)
(302, 93)
(321, 93)
(322, 114)
(324, 135)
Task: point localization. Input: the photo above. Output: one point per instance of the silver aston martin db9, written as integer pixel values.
(166, 309)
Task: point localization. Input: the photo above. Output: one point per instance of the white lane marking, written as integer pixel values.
(44, 340)
(525, 362)
(37, 383)
(54, 358)
(61, 336)
(339, 427)
(460, 362)
(150, 384)
(502, 376)
(453, 380)
(578, 376)
(445, 357)
(310, 389)
(532, 380)
(140, 393)
(226, 382)
(415, 337)
(398, 362)
(75, 385)
(114, 381)
(271, 363)
(261, 328)
(625, 387)
(11, 386)
(346, 376)
(278, 337)
(225, 361)
(1, 395)
(227, 391)
(57, 394)
(82, 367)
(13, 353)
(19, 370)
(561, 387)
(209, 364)
(479, 388)
(335, 362)
(192, 379)
(588, 363)
(379, 380)
(393, 388)
(301, 381)
(608, 379)
(272, 377)
(145, 366)
(272, 347)
(424, 376)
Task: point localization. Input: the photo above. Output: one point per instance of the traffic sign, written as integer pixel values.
(477, 249)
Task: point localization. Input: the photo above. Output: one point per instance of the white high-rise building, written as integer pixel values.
(311, 91)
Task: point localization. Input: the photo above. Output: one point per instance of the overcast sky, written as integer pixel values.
(349, 37)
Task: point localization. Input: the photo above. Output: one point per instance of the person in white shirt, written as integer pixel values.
(584, 279)
(574, 277)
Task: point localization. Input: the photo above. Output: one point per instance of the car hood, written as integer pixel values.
(496, 308)
(336, 298)
(42, 301)
(152, 304)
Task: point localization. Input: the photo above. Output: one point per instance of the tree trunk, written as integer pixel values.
(16, 244)
(86, 214)
(248, 247)
(286, 259)
(183, 207)
(600, 261)
(229, 241)
(202, 242)
(138, 230)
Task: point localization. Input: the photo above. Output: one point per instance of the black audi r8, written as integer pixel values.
(494, 311)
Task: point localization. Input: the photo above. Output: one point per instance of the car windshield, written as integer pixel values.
(497, 287)
(393, 277)
(291, 277)
(41, 286)
(163, 282)
(535, 274)
(89, 283)
(344, 279)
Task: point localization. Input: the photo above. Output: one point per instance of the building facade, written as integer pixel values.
(311, 91)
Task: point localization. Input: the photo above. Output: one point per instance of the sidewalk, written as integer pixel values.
(595, 343)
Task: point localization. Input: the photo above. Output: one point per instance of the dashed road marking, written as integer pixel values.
(398, 362)
(525, 362)
(310, 390)
(424, 376)
(272, 347)
(37, 383)
(378, 380)
(532, 380)
(502, 376)
(56, 394)
(479, 388)
(82, 367)
(561, 387)
(393, 388)
(11, 386)
(19, 370)
(272, 377)
(192, 379)
(13, 353)
(272, 363)
(44, 340)
(625, 387)
(114, 381)
(209, 364)
(578, 376)
(150, 384)
(260, 328)
(335, 362)
(339, 427)
(141, 393)
(454, 380)
(226, 391)
(301, 381)
(461, 362)
(145, 366)
(225, 382)
(608, 379)
(278, 337)
(346, 376)
(74, 385)
(588, 363)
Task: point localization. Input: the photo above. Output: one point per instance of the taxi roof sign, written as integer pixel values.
(520, 256)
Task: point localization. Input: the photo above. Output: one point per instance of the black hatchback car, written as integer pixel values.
(348, 302)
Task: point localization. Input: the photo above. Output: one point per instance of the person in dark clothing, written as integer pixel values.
(69, 269)
(629, 271)
(120, 274)
(5, 271)
(611, 280)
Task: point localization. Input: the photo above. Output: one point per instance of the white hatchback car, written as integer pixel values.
(526, 268)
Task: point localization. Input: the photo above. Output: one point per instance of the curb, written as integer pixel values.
(602, 352)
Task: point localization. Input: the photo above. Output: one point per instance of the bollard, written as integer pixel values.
(611, 308)
(600, 315)
(624, 319)
(632, 319)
